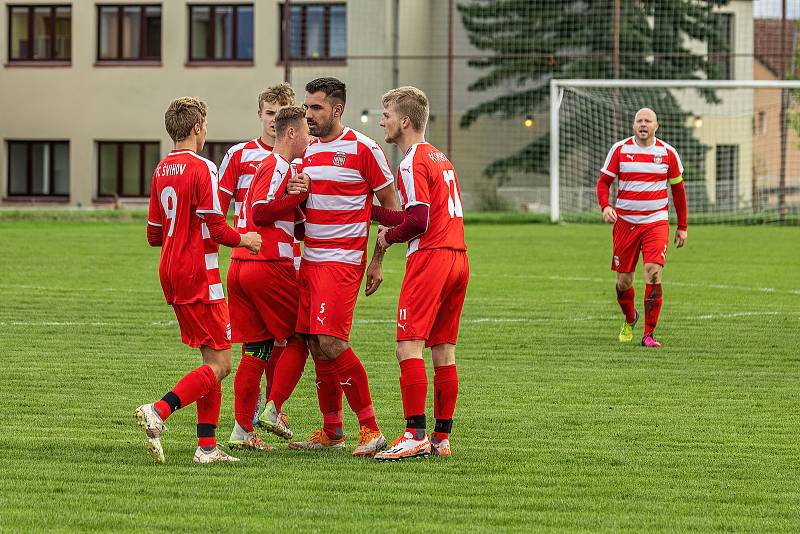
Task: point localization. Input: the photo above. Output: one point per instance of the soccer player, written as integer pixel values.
(437, 272)
(643, 164)
(236, 173)
(347, 169)
(186, 221)
(263, 289)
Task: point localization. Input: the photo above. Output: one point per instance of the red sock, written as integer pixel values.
(208, 417)
(414, 386)
(272, 363)
(329, 394)
(445, 388)
(652, 307)
(288, 372)
(191, 387)
(245, 389)
(353, 379)
(626, 303)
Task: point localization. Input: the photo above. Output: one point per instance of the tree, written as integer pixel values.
(532, 41)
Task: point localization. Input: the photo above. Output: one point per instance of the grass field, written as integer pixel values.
(558, 426)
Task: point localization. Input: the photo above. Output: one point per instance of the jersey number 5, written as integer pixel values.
(169, 201)
(453, 200)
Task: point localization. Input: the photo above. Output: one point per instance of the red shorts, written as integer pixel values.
(432, 296)
(629, 239)
(204, 324)
(263, 300)
(328, 294)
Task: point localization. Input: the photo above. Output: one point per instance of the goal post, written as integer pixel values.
(741, 156)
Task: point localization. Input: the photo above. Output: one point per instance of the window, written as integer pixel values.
(215, 150)
(720, 48)
(39, 33)
(128, 33)
(125, 168)
(38, 168)
(221, 32)
(316, 32)
(727, 176)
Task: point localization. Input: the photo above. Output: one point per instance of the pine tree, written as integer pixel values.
(532, 41)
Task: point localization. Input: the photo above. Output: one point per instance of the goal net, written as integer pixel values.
(738, 141)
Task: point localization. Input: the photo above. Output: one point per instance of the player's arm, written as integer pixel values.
(386, 216)
(678, 198)
(155, 235)
(414, 225)
(228, 176)
(607, 175)
(208, 209)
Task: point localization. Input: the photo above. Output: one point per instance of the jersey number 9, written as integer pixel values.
(169, 201)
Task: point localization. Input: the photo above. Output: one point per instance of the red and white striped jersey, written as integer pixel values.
(427, 177)
(642, 174)
(236, 172)
(183, 190)
(345, 173)
(277, 239)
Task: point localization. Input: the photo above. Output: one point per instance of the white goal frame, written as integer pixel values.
(557, 91)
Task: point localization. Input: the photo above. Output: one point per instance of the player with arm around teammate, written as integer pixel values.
(437, 273)
(186, 221)
(643, 165)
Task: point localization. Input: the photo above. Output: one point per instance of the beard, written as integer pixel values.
(320, 129)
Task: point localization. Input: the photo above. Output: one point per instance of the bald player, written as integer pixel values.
(643, 165)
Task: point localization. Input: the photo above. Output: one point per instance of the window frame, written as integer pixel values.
(51, 31)
(326, 17)
(724, 57)
(29, 174)
(217, 144)
(120, 166)
(210, 59)
(142, 35)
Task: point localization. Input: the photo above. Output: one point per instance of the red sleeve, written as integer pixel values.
(221, 233)
(154, 219)
(415, 223)
(611, 165)
(374, 166)
(154, 235)
(229, 172)
(387, 216)
(265, 212)
(604, 189)
(679, 201)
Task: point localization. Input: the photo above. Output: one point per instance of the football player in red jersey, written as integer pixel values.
(347, 170)
(643, 165)
(437, 273)
(186, 221)
(263, 289)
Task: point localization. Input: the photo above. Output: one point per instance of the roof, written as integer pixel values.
(768, 47)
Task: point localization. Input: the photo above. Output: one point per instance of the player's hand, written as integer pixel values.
(252, 242)
(609, 215)
(382, 237)
(374, 278)
(680, 237)
(298, 184)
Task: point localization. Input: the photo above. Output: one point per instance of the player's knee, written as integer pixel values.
(331, 347)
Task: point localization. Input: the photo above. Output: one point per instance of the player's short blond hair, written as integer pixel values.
(288, 117)
(182, 115)
(280, 95)
(409, 102)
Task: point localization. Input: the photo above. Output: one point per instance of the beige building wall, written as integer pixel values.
(85, 103)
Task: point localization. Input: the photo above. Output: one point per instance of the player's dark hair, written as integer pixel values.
(333, 88)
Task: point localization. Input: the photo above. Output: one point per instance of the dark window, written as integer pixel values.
(727, 176)
(125, 168)
(721, 48)
(316, 32)
(39, 33)
(128, 32)
(221, 32)
(38, 168)
(215, 150)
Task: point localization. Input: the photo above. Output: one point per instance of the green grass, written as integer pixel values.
(558, 426)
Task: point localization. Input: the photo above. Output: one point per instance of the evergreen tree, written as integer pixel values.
(533, 41)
